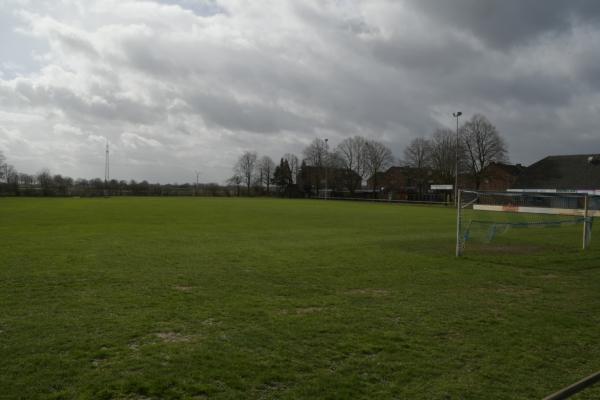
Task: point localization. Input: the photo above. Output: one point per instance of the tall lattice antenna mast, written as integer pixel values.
(106, 165)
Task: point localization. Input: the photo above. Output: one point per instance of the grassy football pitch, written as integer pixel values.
(193, 298)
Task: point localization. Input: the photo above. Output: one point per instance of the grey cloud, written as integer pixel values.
(112, 107)
(273, 78)
(587, 66)
(202, 8)
(76, 44)
(443, 57)
(508, 23)
(528, 89)
(224, 112)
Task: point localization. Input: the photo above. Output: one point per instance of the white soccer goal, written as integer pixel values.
(486, 217)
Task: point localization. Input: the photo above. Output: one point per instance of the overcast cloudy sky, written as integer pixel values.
(178, 85)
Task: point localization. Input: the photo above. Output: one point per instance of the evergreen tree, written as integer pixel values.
(282, 176)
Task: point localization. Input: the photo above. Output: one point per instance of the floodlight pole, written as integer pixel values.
(586, 227)
(106, 165)
(106, 169)
(197, 182)
(326, 155)
(456, 115)
(458, 226)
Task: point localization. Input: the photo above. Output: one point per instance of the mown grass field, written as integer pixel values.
(137, 298)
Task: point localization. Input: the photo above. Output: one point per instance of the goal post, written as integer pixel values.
(487, 216)
(459, 244)
(587, 224)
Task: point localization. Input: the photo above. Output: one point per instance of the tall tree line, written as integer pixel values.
(345, 166)
(477, 145)
(353, 160)
(44, 183)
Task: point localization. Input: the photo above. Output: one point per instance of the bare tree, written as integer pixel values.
(266, 167)
(443, 153)
(44, 178)
(418, 153)
(235, 180)
(334, 160)
(483, 145)
(62, 184)
(378, 157)
(26, 179)
(12, 175)
(245, 167)
(294, 165)
(3, 167)
(351, 153)
(315, 154)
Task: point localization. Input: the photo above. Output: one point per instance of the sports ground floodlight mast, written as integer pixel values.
(456, 115)
(197, 182)
(326, 164)
(106, 165)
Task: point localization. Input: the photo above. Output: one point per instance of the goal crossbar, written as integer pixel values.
(537, 210)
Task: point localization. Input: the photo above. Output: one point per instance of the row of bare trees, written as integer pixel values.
(44, 183)
(357, 157)
(351, 162)
(477, 145)
(252, 171)
(8, 173)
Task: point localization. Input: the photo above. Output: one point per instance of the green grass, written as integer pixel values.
(136, 298)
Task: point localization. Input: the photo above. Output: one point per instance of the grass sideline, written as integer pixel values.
(191, 298)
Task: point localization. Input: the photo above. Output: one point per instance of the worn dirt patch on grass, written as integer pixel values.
(160, 337)
(518, 291)
(302, 311)
(512, 290)
(173, 337)
(210, 322)
(449, 336)
(97, 362)
(309, 310)
(370, 292)
(181, 288)
(269, 387)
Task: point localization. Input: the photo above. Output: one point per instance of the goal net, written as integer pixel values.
(506, 218)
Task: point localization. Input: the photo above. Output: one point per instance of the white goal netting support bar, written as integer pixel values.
(484, 216)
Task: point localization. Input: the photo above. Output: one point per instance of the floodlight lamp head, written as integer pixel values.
(457, 114)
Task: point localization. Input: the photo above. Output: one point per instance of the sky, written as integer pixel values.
(182, 85)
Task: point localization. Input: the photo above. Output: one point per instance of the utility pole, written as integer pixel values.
(197, 182)
(456, 115)
(106, 170)
(458, 227)
(326, 162)
(106, 165)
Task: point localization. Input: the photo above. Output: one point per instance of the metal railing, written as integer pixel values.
(575, 388)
